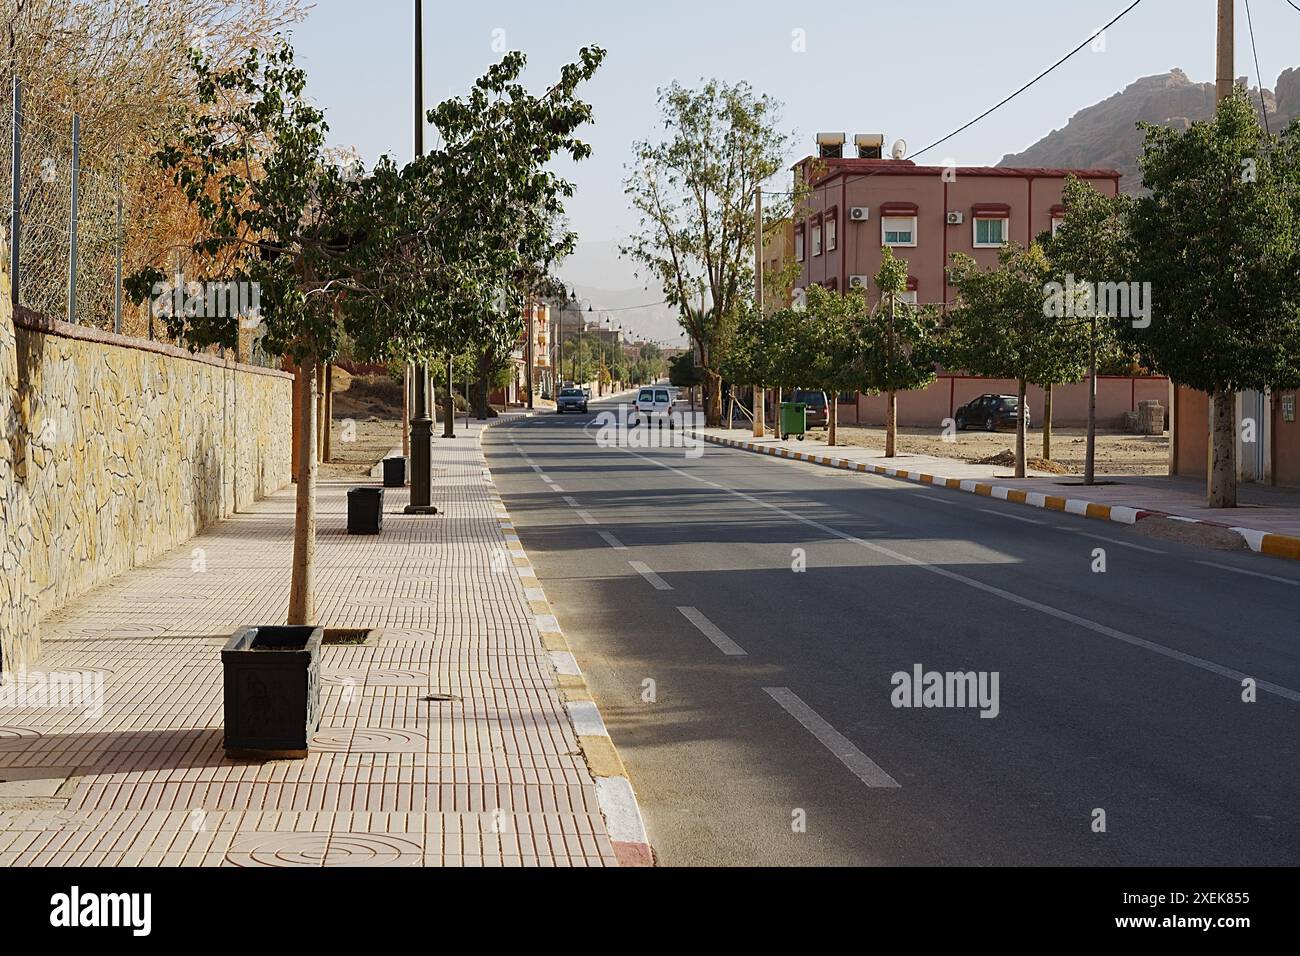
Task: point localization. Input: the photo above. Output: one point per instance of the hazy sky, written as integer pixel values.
(913, 70)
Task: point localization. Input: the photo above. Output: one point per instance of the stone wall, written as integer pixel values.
(113, 451)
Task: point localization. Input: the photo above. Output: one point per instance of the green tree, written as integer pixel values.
(694, 193)
(1218, 238)
(250, 161)
(999, 326)
(900, 344)
(1092, 248)
(821, 347)
(684, 373)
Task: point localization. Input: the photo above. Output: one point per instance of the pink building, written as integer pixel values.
(925, 213)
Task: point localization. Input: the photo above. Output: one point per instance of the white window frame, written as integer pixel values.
(975, 231)
(832, 230)
(885, 230)
(908, 297)
(816, 234)
(799, 245)
(1057, 221)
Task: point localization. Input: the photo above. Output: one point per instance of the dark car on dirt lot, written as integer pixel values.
(990, 412)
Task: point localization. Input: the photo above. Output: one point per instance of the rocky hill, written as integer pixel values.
(1106, 134)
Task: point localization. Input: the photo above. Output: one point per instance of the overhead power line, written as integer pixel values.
(1022, 89)
(1259, 77)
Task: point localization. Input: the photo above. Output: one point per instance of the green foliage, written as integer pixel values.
(900, 344)
(683, 372)
(1000, 328)
(1219, 239)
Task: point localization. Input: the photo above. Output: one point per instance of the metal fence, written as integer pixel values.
(64, 219)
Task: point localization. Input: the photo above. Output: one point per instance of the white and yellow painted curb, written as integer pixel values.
(614, 793)
(1262, 542)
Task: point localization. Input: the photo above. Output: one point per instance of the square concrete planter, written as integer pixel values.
(395, 472)
(272, 690)
(365, 510)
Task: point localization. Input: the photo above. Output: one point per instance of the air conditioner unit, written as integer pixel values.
(859, 282)
(955, 218)
(859, 213)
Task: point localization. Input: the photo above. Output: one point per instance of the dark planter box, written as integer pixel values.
(394, 472)
(365, 510)
(272, 690)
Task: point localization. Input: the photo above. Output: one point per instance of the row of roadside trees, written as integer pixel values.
(419, 262)
(1212, 252)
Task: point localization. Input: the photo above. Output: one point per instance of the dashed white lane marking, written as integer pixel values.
(1096, 627)
(712, 632)
(1003, 514)
(612, 541)
(549, 481)
(1122, 544)
(586, 516)
(942, 501)
(535, 467)
(571, 502)
(862, 766)
(1253, 574)
(643, 569)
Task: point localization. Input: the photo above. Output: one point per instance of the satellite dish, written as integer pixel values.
(899, 149)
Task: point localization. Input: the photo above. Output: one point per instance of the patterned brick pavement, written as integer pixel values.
(446, 743)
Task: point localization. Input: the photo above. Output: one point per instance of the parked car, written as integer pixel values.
(815, 415)
(654, 401)
(571, 400)
(990, 412)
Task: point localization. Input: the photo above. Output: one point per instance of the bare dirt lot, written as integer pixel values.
(366, 426)
(1118, 453)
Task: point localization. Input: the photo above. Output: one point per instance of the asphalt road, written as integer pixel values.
(759, 724)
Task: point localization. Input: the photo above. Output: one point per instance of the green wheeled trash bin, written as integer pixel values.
(794, 419)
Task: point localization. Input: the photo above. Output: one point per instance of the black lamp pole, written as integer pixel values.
(421, 423)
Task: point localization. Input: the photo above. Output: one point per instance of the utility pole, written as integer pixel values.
(421, 425)
(532, 339)
(1225, 68)
(759, 391)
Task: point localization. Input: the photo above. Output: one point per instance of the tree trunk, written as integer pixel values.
(759, 429)
(1090, 453)
(481, 386)
(891, 424)
(302, 599)
(1223, 471)
(832, 416)
(320, 412)
(713, 402)
(328, 429)
(1047, 421)
(449, 405)
(780, 394)
(1020, 430)
(406, 410)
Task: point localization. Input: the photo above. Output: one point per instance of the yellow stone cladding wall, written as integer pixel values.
(114, 451)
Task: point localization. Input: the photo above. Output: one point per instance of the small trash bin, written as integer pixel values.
(365, 510)
(794, 417)
(271, 690)
(395, 472)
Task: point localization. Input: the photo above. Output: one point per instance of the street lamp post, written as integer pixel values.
(421, 424)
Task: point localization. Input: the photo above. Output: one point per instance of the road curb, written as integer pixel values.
(614, 792)
(1261, 542)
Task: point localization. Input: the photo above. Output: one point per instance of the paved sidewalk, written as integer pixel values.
(1268, 519)
(493, 775)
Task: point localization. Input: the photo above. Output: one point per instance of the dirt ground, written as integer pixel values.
(1118, 453)
(366, 426)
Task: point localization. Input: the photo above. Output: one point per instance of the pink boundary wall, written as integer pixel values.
(929, 406)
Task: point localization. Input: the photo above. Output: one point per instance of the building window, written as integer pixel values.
(829, 227)
(898, 230)
(1057, 221)
(798, 245)
(908, 297)
(817, 239)
(990, 233)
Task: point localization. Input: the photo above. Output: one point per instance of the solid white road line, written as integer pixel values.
(612, 541)
(1253, 574)
(1061, 615)
(862, 766)
(712, 632)
(1122, 544)
(1003, 514)
(643, 569)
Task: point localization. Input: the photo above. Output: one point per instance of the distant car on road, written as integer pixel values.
(654, 401)
(990, 412)
(571, 400)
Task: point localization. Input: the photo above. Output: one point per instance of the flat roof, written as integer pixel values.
(905, 167)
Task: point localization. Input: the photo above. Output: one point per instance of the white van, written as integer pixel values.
(654, 401)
